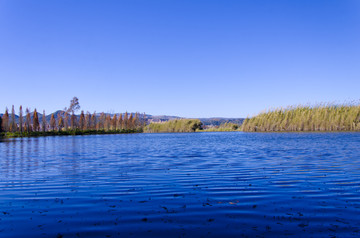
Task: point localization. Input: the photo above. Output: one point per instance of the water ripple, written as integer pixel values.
(181, 185)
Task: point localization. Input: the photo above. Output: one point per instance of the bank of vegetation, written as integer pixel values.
(178, 125)
(67, 123)
(345, 117)
(227, 126)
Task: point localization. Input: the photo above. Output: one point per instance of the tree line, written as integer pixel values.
(66, 121)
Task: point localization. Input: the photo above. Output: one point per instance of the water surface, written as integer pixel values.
(181, 185)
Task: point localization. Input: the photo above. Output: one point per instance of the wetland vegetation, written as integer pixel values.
(227, 126)
(178, 125)
(324, 117)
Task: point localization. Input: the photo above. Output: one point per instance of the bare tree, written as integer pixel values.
(43, 124)
(52, 122)
(144, 120)
(120, 122)
(13, 126)
(21, 120)
(136, 120)
(125, 121)
(114, 122)
(74, 105)
(108, 122)
(82, 121)
(93, 121)
(5, 121)
(101, 121)
(87, 121)
(60, 121)
(73, 121)
(36, 124)
(66, 121)
(28, 121)
(131, 122)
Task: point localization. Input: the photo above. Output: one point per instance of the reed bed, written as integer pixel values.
(178, 125)
(227, 126)
(323, 117)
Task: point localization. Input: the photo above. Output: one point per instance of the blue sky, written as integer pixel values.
(198, 58)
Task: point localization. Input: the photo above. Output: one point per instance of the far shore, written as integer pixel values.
(66, 133)
(320, 118)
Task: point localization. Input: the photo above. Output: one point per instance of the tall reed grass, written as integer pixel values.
(323, 117)
(179, 125)
(227, 126)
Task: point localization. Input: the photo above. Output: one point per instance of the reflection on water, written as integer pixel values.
(196, 184)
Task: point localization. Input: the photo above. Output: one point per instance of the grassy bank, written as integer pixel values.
(180, 125)
(306, 118)
(66, 133)
(222, 128)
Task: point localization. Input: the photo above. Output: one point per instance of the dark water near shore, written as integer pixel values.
(176, 185)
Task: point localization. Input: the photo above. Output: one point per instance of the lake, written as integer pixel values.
(181, 185)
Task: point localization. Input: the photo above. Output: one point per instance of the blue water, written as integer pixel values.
(181, 185)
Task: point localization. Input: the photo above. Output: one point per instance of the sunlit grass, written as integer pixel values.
(179, 125)
(228, 126)
(323, 117)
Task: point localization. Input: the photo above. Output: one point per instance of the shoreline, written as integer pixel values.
(10, 135)
(66, 133)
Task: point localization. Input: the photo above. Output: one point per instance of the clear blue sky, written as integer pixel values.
(191, 58)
